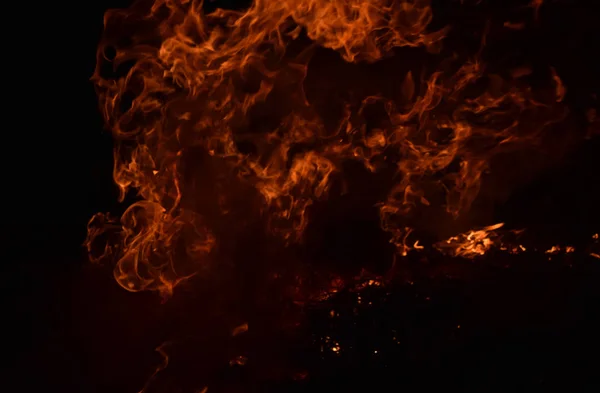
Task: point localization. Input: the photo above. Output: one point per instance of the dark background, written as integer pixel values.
(70, 328)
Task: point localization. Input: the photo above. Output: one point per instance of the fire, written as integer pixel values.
(473, 243)
(224, 119)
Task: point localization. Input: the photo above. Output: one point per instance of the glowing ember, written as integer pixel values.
(472, 243)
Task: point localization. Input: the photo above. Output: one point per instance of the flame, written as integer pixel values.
(161, 350)
(222, 117)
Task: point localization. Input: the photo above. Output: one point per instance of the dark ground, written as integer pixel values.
(533, 327)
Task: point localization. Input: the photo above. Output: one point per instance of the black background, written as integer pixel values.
(69, 325)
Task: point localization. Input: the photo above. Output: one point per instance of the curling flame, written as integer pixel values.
(216, 111)
(161, 350)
